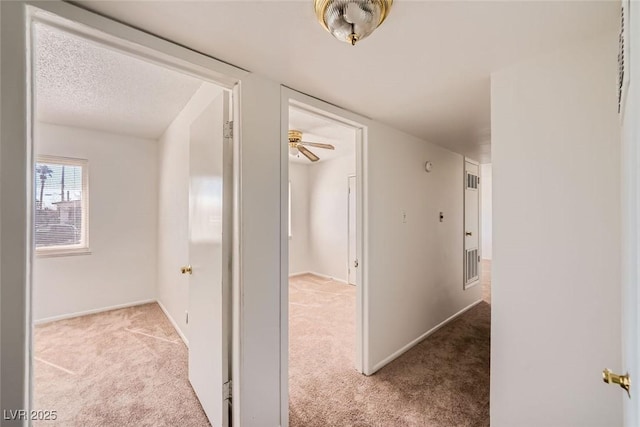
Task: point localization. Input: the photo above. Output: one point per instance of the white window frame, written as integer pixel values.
(81, 248)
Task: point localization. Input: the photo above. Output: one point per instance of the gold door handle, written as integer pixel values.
(186, 269)
(623, 381)
(468, 233)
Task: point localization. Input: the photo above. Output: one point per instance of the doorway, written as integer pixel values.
(132, 196)
(324, 318)
(486, 228)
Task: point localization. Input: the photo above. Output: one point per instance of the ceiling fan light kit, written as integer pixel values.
(351, 20)
(297, 146)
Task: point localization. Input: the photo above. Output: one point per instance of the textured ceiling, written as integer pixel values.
(320, 129)
(426, 70)
(79, 83)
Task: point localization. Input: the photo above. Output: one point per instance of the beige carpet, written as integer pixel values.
(125, 367)
(443, 381)
(129, 367)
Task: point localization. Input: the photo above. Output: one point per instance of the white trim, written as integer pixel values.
(322, 276)
(92, 311)
(116, 307)
(237, 327)
(465, 285)
(474, 283)
(298, 100)
(349, 254)
(62, 252)
(284, 260)
(133, 42)
(83, 247)
(289, 214)
(416, 341)
(174, 324)
(17, 269)
(300, 273)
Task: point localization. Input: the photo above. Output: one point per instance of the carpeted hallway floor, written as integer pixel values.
(129, 367)
(443, 381)
(124, 367)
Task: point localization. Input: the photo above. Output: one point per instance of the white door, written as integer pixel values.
(352, 261)
(471, 223)
(209, 256)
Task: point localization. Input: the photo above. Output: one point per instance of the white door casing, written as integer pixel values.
(471, 223)
(352, 262)
(209, 256)
(631, 217)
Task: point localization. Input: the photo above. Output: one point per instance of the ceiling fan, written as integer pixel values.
(297, 145)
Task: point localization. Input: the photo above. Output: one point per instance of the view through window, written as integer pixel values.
(60, 205)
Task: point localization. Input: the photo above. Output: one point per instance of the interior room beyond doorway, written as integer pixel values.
(129, 182)
(322, 258)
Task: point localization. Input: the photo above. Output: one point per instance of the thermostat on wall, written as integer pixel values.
(428, 166)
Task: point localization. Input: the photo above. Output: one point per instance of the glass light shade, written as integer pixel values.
(293, 151)
(351, 20)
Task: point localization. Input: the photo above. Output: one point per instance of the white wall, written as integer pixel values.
(121, 268)
(258, 342)
(173, 208)
(261, 159)
(299, 257)
(257, 375)
(414, 268)
(556, 299)
(486, 210)
(328, 221)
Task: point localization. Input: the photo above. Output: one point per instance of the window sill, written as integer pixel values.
(50, 253)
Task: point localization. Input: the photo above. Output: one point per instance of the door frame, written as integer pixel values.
(466, 285)
(17, 340)
(290, 97)
(349, 257)
(630, 156)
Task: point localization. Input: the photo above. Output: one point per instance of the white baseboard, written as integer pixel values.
(472, 284)
(301, 273)
(87, 312)
(324, 276)
(407, 347)
(174, 324)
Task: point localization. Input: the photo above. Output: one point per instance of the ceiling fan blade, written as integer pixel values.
(309, 155)
(318, 145)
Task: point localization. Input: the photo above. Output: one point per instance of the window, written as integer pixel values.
(61, 206)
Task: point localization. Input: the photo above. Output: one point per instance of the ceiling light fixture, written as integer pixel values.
(351, 20)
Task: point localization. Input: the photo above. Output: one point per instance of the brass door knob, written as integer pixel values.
(623, 381)
(186, 269)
